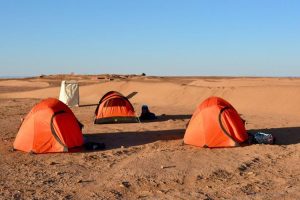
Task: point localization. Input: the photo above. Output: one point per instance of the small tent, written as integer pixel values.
(50, 126)
(215, 123)
(69, 93)
(113, 107)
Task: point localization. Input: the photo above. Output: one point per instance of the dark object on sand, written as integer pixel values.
(92, 146)
(146, 114)
(261, 138)
(81, 126)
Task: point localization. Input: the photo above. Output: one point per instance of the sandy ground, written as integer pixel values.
(148, 160)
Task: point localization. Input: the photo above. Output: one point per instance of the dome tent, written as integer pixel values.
(215, 123)
(113, 107)
(50, 126)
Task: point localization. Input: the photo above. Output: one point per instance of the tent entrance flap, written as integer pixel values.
(222, 126)
(54, 132)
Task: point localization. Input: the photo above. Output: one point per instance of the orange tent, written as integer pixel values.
(114, 108)
(50, 126)
(215, 123)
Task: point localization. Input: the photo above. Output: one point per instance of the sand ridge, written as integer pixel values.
(23, 83)
(266, 95)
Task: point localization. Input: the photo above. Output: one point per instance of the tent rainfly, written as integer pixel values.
(113, 107)
(215, 123)
(49, 127)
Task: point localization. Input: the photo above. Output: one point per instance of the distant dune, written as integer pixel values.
(249, 95)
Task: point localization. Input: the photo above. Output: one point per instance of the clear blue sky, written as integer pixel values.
(158, 37)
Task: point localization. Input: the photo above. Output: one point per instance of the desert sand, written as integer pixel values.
(148, 160)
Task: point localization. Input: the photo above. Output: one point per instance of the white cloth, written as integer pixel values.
(69, 93)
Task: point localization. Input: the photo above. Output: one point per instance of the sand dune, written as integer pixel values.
(250, 96)
(22, 83)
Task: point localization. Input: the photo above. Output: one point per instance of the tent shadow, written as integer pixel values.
(130, 139)
(164, 117)
(283, 136)
(87, 105)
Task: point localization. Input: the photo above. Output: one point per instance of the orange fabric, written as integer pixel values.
(35, 133)
(114, 104)
(204, 128)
